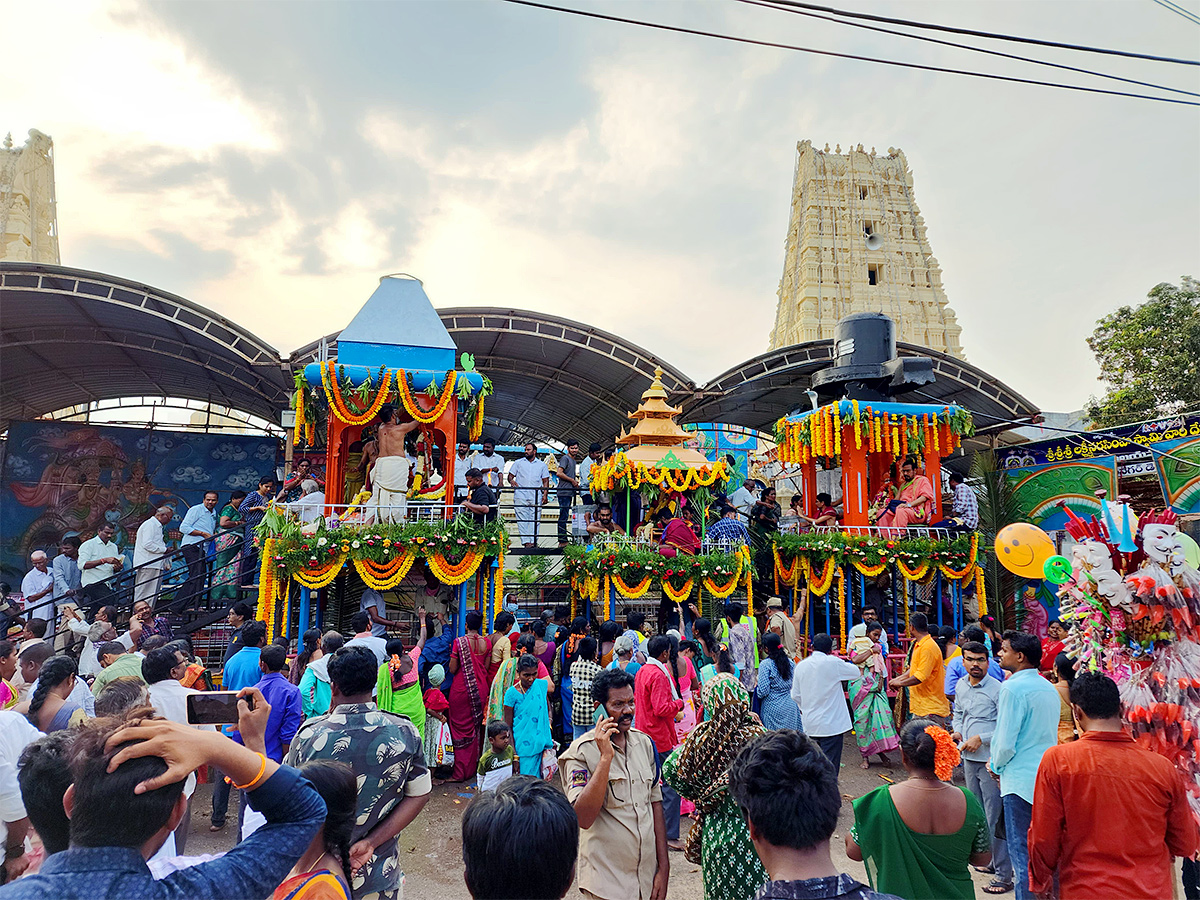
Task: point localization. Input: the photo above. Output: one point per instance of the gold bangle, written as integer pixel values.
(253, 783)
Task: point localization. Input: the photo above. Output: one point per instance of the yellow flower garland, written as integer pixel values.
(410, 403)
(385, 576)
(820, 584)
(630, 593)
(498, 587)
(678, 596)
(786, 574)
(915, 574)
(980, 593)
(333, 393)
(266, 586)
(868, 570)
(723, 591)
(450, 573)
(322, 576)
(843, 613)
(475, 429)
(961, 574)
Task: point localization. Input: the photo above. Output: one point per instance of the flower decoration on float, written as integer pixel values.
(821, 433)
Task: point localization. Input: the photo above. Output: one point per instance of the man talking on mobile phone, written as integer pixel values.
(613, 783)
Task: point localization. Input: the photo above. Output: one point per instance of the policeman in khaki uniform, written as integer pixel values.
(612, 781)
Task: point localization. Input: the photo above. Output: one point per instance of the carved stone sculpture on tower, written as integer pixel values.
(28, 219)
(856, 243)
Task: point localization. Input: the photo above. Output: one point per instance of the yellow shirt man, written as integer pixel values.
(927, 698)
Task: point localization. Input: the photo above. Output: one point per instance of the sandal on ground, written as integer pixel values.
(985, 870)
(998, 887)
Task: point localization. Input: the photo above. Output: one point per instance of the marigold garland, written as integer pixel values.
(385, 576)
(320, 576)
(786, 574)
(410, 403)
(475, 429)
(337, 403)
(678, 596)
(498, 585)
(916, 573)
(454, 573)
(961, 574)
(819, 584)
(945, 754)
(266, 586)
(843, 613)
(980, 594)
(869, 570)
(631, 593)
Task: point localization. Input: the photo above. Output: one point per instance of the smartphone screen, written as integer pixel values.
(212, 708)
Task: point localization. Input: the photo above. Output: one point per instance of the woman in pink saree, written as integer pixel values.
(914, 503)
(469, 657)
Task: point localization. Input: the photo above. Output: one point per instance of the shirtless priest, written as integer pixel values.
(389, 475)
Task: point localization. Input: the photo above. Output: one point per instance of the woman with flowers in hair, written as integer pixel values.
(918, 837)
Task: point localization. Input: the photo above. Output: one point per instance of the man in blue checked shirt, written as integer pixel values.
(198, 526)
(115, 830)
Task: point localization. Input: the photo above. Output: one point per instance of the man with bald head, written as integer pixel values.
(37, 586)
(148, 549)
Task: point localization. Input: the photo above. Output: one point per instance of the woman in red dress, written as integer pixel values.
(469, 658)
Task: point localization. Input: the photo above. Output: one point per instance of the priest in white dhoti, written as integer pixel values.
(390, 473)
(528, 476)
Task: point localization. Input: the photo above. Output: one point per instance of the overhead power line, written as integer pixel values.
(1179, 10)
(988, 34)
(772, 4)
(871, 59)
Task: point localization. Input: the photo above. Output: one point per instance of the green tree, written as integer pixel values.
(1149, 357)
(998, 507)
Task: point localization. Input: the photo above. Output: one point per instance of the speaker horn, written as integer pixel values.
(874, 241)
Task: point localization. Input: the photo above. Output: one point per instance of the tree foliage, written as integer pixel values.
(1149, 356)
(998, 507)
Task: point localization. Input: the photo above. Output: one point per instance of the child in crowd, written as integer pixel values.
(496, 764)
(526, 713)
(439, 743)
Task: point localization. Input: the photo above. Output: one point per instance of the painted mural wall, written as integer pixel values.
(63, 478)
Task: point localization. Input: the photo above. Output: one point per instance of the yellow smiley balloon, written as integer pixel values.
(1023, 549)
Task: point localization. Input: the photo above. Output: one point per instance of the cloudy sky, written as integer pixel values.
(271, 160)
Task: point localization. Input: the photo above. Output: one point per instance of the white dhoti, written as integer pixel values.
(389, 489)
(525, 511)
(146, 586)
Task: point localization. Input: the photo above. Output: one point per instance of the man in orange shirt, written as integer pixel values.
(925, 676)
(1108, 814)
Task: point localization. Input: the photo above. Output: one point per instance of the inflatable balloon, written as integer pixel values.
(1023, 549)
(1191, 550)
(1057, 569)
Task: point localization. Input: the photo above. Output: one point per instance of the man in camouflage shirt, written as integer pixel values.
(384, 750)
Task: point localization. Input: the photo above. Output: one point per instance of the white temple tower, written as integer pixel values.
(856, 243)
(28, 219)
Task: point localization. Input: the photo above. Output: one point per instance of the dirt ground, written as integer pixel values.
(432, 846)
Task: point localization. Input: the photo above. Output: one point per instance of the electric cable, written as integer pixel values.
(989, 34)
(831, 53)
(772, 4)
(1179, 10)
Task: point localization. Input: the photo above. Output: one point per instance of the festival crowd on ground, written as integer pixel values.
(588, 742)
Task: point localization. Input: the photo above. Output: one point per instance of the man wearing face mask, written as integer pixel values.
(612, 781)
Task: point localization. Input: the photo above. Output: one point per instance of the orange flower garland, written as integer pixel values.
(337, 403)
(266, 586)
(320, 576)
(454, 573)
(410, 403)
(843, 613)
(631, 593)
(384, 576)
(913, 574)
(961, 574)
(980, 593)
(945, 753)
(678, 596)
(820, 584)
(869, 570)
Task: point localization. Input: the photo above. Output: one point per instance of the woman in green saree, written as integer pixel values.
(398, 689)
(918, 837)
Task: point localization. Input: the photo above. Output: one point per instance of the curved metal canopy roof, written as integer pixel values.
(70, 336)
(771, 385)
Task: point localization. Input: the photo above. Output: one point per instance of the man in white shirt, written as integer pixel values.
(817, 690)
(490, 464)
(198, 527)
(528, 476)
(99, 560)
(869, 615)
(375, 606)
(161, 670)
(15, 735)
(311, 504)
(37, 588)
(743, 498)
(148, 549)
(361, 623)
(462, 462)
(65, 570)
